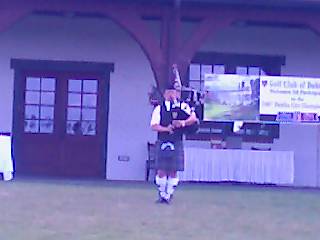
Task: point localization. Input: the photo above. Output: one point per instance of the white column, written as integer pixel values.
(6, 164)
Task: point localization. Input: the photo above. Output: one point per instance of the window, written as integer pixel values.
(228, 63)
(39, 105)
(82, 106)
(197, 74)
(249, 70)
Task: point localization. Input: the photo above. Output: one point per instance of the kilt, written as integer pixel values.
(169, 156)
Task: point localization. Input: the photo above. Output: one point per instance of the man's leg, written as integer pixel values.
(161, 181)
(172, 182)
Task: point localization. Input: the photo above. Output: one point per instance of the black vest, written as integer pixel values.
(166, 118)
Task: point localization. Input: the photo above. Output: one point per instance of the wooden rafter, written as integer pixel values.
(129, 16)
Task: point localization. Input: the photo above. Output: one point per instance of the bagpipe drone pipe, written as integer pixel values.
(191, 97)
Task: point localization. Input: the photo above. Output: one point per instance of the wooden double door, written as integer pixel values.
(60, 122)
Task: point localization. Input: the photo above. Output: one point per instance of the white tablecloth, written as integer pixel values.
(6, 165)
(212, 165)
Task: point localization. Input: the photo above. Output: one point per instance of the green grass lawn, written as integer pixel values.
(216, 110)
(83, 210)
(228, 112)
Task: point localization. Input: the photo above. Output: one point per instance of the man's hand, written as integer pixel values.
(170, 128)
(178, 123)
(159, 128)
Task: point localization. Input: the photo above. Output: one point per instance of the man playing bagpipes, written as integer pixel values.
(171, 119)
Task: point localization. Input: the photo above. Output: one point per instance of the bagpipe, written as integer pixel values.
(181, 115)
(193, 99)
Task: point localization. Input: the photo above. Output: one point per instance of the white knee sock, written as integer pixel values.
(172, 183)
(162, 184)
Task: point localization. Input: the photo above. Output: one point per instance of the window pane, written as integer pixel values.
(74, 99)
(74, 128)
(90, 86)
(74, 113)
(32, 97)
(74, 85)
(48, 84)
(31, 112)
(254, 71)
(202, 86)
(205, 69)
(31, 126)
(88, 114)
(46, 126)
(89, 100)
(194, 72)
(47, 98)
(33, 83)
(89, 128)
(194, 84)
(47, 113)
(241, 71)
(69, 127)
(219, 69)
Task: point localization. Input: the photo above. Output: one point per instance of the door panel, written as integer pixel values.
(85, 126)
(62, 124)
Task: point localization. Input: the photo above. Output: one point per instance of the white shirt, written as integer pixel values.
(155, 119)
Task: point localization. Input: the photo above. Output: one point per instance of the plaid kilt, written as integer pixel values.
(169, 156)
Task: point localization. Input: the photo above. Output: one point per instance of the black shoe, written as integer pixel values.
(161, 200)
(167, 201)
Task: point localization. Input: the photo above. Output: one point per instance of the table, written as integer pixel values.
(6, 164)
(215, 165)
